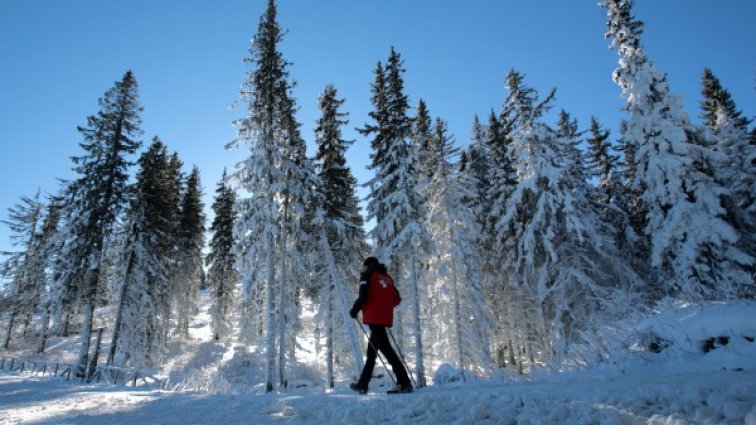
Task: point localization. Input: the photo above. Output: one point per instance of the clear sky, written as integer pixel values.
(58, 57)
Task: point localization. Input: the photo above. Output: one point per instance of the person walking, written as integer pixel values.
(377, 298)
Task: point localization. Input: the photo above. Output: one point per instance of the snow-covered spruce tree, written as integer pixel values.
(46, 253)
(343, 226)
(631, 202)
(569, 136)
(21, 267)
(262, 176)
(63, 292)
(221, 273)
(692, 246)
(173, 287)
(99, 195)
(394, 202)
(475, 164)
(736, 144)
(460, 328)
(140, 319)
(556, 247)
(610, 195)
(299, 199)
(501, 179)
(602, 164)
(191, 239)
(422, 133)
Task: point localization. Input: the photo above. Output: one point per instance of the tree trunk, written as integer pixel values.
(86, 327)
(415, 302)
(119, 314)
(282, 307)
(338, 284)
(44, 332)
(329, 336)
(11, 323)
(270, 325)
(27, 322)
(457, 316)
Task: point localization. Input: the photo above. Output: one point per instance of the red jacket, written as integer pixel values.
(378, 297)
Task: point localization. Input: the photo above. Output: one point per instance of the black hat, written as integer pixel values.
(370, 261)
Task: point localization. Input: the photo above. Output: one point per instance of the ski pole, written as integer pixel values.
(401, 355)
(377, 353)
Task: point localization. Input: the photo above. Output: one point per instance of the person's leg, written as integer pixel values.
(382, 343)
(367, 370)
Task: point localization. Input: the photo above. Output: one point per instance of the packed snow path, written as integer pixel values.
(727, 397)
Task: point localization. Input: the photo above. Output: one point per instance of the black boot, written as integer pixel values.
(400, 388)
(357, 388)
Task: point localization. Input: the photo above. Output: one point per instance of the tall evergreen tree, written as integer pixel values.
(501, 180)
(421, 139)
(21, 267)
(569, 135)
(273, 164)
(191, 240)
(737, 167)
(173, 289)
(99, 195)
(475, 164)
(138, 336)
(691, 244)
(556, 246)
(460, 331)
(342, 221)
(221, 260)
(602, 164)
(46, 253)
(394, 200)
(299, 198)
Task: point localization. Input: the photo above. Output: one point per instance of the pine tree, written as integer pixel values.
(456, 297)
(475, 164)
(556, 247)
(342, 221)
(394, 202)
(736, 169)
(45, 258)
(717, 102)
(172, 290)
(267, 128)
(569, 135)
(221, 260)
(611, 197)
(691, 244)
(602, 163)
(632, 204)
(99, 195)
(138, 336)
(298, 202)
(21, 267)
(421, 139)
(501, 179)
(63, 286)
(191, 240)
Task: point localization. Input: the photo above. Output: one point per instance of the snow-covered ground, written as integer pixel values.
(681, 384)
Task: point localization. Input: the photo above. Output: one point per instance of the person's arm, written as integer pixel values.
(397, 297)
(364, 277)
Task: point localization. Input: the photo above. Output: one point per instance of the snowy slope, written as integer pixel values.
(681, 384)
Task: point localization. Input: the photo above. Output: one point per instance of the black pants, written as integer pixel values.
(379, 341)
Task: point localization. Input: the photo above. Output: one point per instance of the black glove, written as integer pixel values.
(353, 313)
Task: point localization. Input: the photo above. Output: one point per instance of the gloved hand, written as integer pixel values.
(353, 313)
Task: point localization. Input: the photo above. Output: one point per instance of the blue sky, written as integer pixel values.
(59, 57)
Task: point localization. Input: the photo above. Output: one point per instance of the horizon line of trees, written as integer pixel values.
(514, 250)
